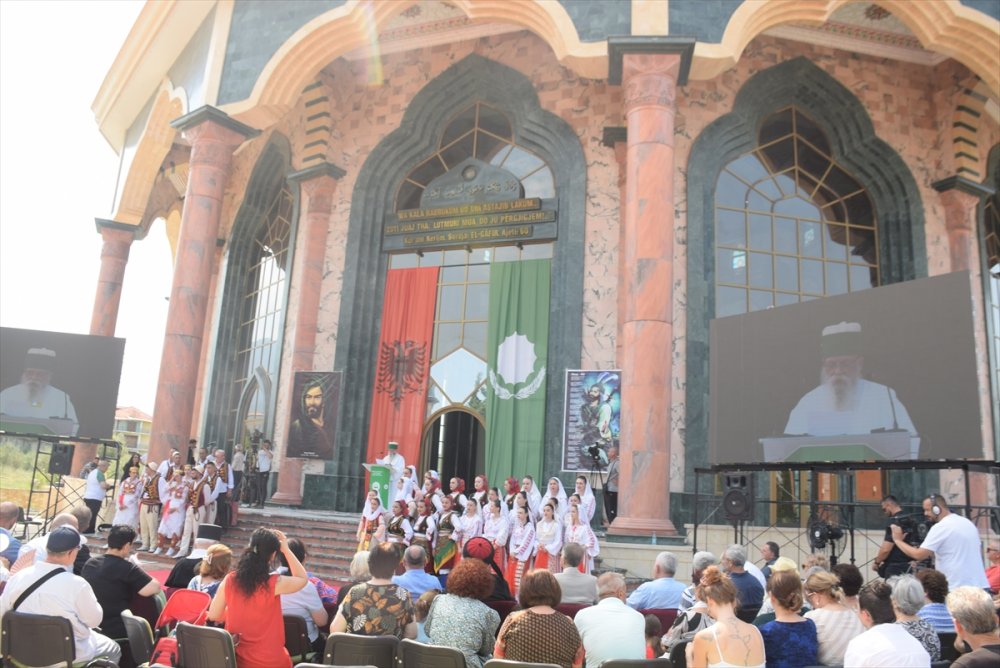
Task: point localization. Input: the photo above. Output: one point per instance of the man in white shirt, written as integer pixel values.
(611, 629)
(95, 492)
(264, 457)
(168, 466)
(62, 595)
(395, 462)
(885, 643)
(36, 400)
(953, 541)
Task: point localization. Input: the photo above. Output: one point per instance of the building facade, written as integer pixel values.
(427, 212)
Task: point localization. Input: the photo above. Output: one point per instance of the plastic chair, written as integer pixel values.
(186, 605)
(41, 640)
(415, 654)
(297, 639)
(665, 615)
(200, 646)
(347, 649)
(140, 637)
(678, 655)
(503, 608)
(637, 663)
(948, 651)
(507, 663)
(570, 609)
(324, 665)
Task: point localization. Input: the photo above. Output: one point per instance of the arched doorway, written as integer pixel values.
(454, 445)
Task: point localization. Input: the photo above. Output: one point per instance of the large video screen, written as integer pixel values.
(882, 374)
(59, 384)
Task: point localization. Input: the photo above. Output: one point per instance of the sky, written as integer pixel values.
(57, 174)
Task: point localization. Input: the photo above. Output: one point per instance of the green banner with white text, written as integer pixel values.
(517, 346)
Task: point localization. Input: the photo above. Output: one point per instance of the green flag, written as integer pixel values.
(517, 347)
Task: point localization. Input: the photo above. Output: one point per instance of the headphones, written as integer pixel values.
(935, 508)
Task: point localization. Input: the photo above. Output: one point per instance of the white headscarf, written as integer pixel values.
(588, 503)
(370, 513)
(560, 497)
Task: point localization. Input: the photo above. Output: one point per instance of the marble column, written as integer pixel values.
(318, 183)
(616, 138)
(213, 137)
(650, 71)
(960, 222)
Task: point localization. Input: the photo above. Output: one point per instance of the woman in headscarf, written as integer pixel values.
(405, 485)
(432, 489)
(522, 546)
(458, 498)
(549, 539)
(579, 532)
(127, 500)
(472, 523)
(511, 487)
(481, 490)
(555, 490)
(534, 496)
(424, 530)
(496, 528)
(398, 529)
(372, 523)
(588, 504)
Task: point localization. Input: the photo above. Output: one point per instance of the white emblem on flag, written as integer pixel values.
(515, 361)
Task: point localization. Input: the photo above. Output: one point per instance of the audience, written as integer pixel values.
(699, 562)
(377, 607)
(688, 623)
(415, 579)
(907, 599)
(248, 601)
(789, 640)
(62, 594)
(115, 580)
(992, 555)
(8, 518)
(769, 553)
(304, 603)
(575, 587)
(976, 624)
(766, 612)
(537, 633)
(611, 629)
(482, 549)
(212, 568)
(885, 643)
(935, 586)
(420, 611)
(654, 629)
(84, 517)
(359, 573)
(851, 582)
(34, 551)
(663, 591)
(739, 643)
(327, 594)
(836, 624)
(460, 619)
(185, 569)
(751, 592)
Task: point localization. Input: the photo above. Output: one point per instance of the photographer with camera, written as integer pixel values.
(891, 560)
(953, 541)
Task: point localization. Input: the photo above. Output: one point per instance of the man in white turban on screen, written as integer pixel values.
(36, 400)
(844, 402)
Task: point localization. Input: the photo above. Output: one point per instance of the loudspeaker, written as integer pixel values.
(61, 458)
(737, 499)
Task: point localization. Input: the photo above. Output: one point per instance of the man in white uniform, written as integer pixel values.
(954, 543)
(396, 465)
(35, 399)
(844, 402)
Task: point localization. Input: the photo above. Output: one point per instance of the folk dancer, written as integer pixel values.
(432, 490)
(203, 493)
(588, 503)
(425, 531)
(398, 529)
(522, 545)
(372, 523)
(446, 552)
(220, 506)
(549, 539)
(127, 500)
(511, 487)
(534, 496)
(458, 499)
(471, 525)
(581, 533)
(481, 490)
(496, 528)
(174, 512)
(154, 490)
(555, 490)
(217, 483)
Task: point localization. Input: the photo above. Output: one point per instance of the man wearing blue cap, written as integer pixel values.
(50, 588)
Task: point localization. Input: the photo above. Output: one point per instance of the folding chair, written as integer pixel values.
(41, 640)
(201, 646)
(140, 637)
(186, 605)
(297, 639)
(415, 654)
(505, 663)
(347, 649)
(637, 663)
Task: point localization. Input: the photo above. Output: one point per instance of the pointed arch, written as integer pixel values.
(473, 79)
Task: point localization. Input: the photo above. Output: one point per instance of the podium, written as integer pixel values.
(876, 446)
(379, 479)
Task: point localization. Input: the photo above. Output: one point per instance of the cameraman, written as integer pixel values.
(891, 560)
(953, 541)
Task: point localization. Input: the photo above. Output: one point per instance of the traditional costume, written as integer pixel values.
(424, 535)
(446, 552)
(522, 545)
(371, 525)
(535, 500)
(561, 503)
(549, 539)
(154, 489)
(174, 511)
(588, 503)
(398, 529)
(471, 525)
(496, 529)
(127, 500)
(481, 495)
(584, 535)
(513, 487)
(458, 499)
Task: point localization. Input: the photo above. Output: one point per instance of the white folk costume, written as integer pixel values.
(584, 535)
(395, 462)
(562, 505)
(535, 500)
(496, 529)
(469, 527)
(371, 526)
(173, 515)
(424, 535)
(522, 546)
(127, 501)
(203, 493)
(549, 539)
(588, 503)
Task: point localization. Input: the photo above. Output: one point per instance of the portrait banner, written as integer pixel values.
(591, 418)
(313, 420)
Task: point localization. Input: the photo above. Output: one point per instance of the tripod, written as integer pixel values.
(597, 468)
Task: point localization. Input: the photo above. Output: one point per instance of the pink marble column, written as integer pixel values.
(646, 262)
(617, 138)
(318, 184)
(213, 137)
(206, 334)
(960, 221)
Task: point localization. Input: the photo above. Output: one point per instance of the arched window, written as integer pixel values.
(790, 223)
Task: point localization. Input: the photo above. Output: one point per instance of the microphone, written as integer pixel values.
(895, 421)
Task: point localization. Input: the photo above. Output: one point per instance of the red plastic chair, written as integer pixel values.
(665, 615)
(186, 605)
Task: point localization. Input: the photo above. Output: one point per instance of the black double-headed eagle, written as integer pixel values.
(401, 368)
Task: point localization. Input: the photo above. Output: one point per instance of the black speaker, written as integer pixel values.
(61, 459)
(737, 499)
